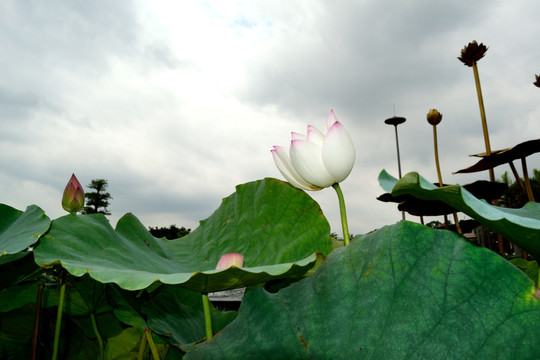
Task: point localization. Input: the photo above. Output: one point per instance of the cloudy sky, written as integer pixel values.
(175, 103)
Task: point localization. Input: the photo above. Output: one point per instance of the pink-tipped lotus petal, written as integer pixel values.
(283, 163)
(231, 259)
(306, 159)
(338, 153)
(331, 120)
(298, 136)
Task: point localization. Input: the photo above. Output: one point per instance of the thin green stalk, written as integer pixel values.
(207, 316)
(343, 212)
(59, 320)
(98, 335)
(151, 343)
(142, 348)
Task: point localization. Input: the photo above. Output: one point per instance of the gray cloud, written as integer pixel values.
(174, 117)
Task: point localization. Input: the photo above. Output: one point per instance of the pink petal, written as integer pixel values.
(331, 120)
(297, 136)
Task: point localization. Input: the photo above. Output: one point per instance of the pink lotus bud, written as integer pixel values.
(73, 199)
(228, 260)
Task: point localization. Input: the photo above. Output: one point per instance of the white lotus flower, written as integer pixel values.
(315, 161)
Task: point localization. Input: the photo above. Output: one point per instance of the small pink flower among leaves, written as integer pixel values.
(73, 198)
(228, 260)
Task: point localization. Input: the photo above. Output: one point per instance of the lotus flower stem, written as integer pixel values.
(59, 320)
(98, 335)
(483, 116)
(207, 316)
(343, 212)
(151, 343)
(516, 175)
(35, 335)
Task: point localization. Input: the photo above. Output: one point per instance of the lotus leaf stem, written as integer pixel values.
(151, 343)
(59, 320)
(343, 212)
(98, 335)
(516, 175)
(530, 195)
(35, 335)
(142, 348)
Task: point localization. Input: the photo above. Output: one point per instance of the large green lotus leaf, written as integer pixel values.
(19, 230)
(276, 227)
(521, 226)
(403, 292)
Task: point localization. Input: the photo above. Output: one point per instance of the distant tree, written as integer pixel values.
(336, 237)
(170, 233)
(515, 196)
(434, 224)
(97, 201)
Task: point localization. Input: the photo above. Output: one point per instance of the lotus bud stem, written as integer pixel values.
(434, 117)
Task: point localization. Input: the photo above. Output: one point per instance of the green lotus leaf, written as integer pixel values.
(127, 307)
(521, 226)
(17, 268)
(17, 296)
(19, 230)
(278, 229)
(83, 297)
(124, 345)
(528, 267)
(178, 313)
(405, 291)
